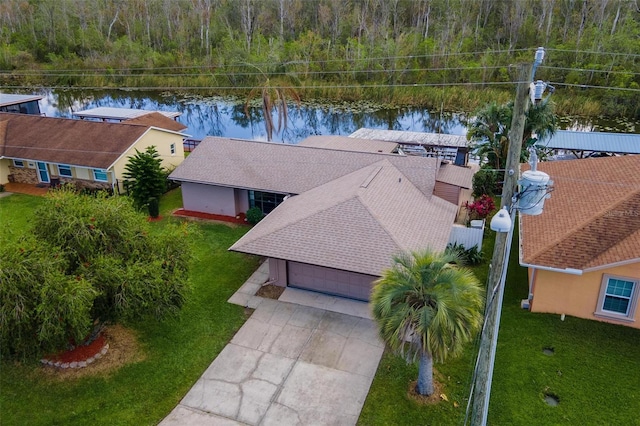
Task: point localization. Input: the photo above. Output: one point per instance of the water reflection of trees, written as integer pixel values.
(227, 118)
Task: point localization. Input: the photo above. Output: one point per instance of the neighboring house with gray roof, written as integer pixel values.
(336, 217)
(44, 150)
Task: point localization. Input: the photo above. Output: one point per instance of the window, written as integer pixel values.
(64, 170)
(100, 175)
(173, 149)
(265, 201)
(618, 297)
(18, 163)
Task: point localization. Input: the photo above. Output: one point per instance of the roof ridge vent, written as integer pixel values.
(371, 176)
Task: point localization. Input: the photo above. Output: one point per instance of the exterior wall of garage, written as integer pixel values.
(318, 278)
(209, 199)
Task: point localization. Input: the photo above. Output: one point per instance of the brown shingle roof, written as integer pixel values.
(288, 168)
(592, 218)
(346, 143)
(156, 119)
(67, 141)
(455, 175)
(354, 223)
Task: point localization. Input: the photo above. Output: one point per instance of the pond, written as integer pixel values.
(227, 117)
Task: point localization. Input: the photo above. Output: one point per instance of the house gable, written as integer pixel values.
(354, 223)
(288, 169)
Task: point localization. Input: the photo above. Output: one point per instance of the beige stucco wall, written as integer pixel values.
(162, 141)
(4, 170)
(577, 295)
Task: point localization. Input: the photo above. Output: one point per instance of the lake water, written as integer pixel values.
(226, 117)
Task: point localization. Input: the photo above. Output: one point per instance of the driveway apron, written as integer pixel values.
(288, 365)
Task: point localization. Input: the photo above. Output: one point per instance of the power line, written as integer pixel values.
(592, 52)
(591, 86)
(589, 70)
(294, 62)
(340, 86)
(89, 73)
(329, 86)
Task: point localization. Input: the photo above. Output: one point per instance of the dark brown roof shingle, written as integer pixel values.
(66, 141)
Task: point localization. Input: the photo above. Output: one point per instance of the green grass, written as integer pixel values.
(177, 350)
(595, 371)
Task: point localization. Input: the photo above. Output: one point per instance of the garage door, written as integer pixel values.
(331, 281)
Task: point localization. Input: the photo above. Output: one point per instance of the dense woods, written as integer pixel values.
(420, 52)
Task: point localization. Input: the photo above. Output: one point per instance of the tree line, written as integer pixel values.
(329, 48)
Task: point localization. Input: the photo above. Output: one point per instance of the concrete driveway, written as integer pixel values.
(288, 365)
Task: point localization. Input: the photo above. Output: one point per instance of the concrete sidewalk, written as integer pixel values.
(289, 364)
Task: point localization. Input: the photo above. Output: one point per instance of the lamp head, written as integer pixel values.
(501, 222)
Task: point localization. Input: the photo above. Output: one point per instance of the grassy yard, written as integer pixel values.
(177, 350)
(595, 372)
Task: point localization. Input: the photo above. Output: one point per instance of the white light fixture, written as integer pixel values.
(501, 222)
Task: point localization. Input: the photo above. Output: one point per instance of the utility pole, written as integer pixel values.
(495, 289)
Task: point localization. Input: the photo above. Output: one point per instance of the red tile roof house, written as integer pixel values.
(583, 251)
(335, 217)
(37, 150)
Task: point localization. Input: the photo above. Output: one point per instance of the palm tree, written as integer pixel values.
(274, 93)
(489, 131)
(428, 308)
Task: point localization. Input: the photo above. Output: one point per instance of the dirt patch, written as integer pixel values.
(436, 397)
(270, 291)
(123, 349)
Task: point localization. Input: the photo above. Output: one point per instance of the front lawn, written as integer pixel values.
(594, 371)
(177, 350)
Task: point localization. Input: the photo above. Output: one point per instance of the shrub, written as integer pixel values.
(254, 215)
(1, 187)
(87, 259)
(469, 257)
(480, 208)
(485, 182)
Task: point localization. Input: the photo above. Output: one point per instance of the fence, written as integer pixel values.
(468, 236)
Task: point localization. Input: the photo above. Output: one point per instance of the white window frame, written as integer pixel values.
(173, 149)
(95, 176)
(65, 167)
(20, 165)
(633, 299)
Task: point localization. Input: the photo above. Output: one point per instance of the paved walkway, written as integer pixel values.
(289, 364)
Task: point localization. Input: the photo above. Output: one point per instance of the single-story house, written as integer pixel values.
(335, 217)
(45, 150)
(583, 251)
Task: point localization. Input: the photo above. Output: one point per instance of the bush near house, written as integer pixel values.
(254, 215)
(87, 259)
(485, 181)
(480, 208)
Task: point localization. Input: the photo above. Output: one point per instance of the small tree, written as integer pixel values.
(144, 177)
(427, 308)
(88, 259)
(484, 182)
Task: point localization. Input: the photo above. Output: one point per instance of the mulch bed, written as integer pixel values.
(80, 356)
(270, 291)
(238, 220)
